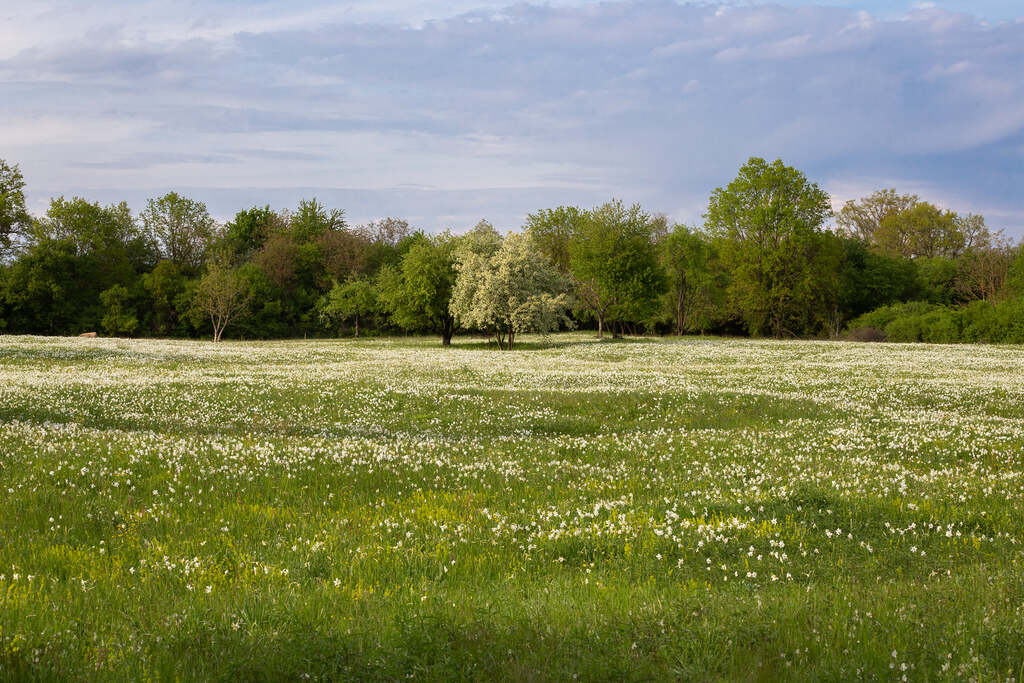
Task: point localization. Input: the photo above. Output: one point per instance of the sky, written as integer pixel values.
(445, 113)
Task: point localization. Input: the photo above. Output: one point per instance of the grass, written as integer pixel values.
(659, 509)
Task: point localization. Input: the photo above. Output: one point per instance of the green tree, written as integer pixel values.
(936, 279)
(271, 313)
(313, 219)
(416, 294)
(510, 290)
(352, 300)
(1015, 273)
(869, 279)
(614, 264)
(14, 217)
(862, 218)
(552, 231)
(120, 318)
(164, 287)
(976, 235)
(922, 231)
(246, 233)
(77, 250)
(49, 290)
(108, 233)
(783, 271)
(182, 228)
(696, 280)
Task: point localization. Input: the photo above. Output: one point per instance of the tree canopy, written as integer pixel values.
(614, 263)
(417, 293)
(349, 301)
(765, 262)
(510, 289)
(181, 227)
(770, 220)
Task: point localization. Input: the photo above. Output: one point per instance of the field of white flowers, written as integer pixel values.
(696, 509)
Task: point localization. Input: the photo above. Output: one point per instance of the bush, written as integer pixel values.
(882, 317)
(906, 330)
(1010, 322)
(941, 327)
(981, 322)
(977, 322)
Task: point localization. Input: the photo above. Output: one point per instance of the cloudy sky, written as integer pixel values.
(450, 111)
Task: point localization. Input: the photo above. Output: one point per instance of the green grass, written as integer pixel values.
(692, 509)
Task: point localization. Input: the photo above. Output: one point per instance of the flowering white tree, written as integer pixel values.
(509, 290)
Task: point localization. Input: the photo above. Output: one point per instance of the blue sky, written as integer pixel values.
(448, 112)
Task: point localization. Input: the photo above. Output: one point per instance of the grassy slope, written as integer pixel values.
(695, 509)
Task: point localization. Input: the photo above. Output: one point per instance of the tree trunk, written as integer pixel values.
(600, 327)
(679, 315)
(511, 337)
(357, 325)
(447, 329)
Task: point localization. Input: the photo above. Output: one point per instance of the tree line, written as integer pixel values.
(766, 262)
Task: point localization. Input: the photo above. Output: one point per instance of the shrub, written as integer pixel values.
(981, 323)
(882, 317)
(977, 322)
(906, 329)
(941, 327)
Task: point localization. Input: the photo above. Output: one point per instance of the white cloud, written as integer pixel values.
(648, 100)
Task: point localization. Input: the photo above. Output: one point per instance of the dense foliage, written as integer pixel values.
(765, 263)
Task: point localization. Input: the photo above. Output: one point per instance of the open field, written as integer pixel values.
(695, 509)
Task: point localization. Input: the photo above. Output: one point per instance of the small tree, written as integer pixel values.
(417, 292)
(349, 301)
(220, 296)
(515, 289)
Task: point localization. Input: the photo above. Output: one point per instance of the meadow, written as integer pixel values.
(695, 509)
